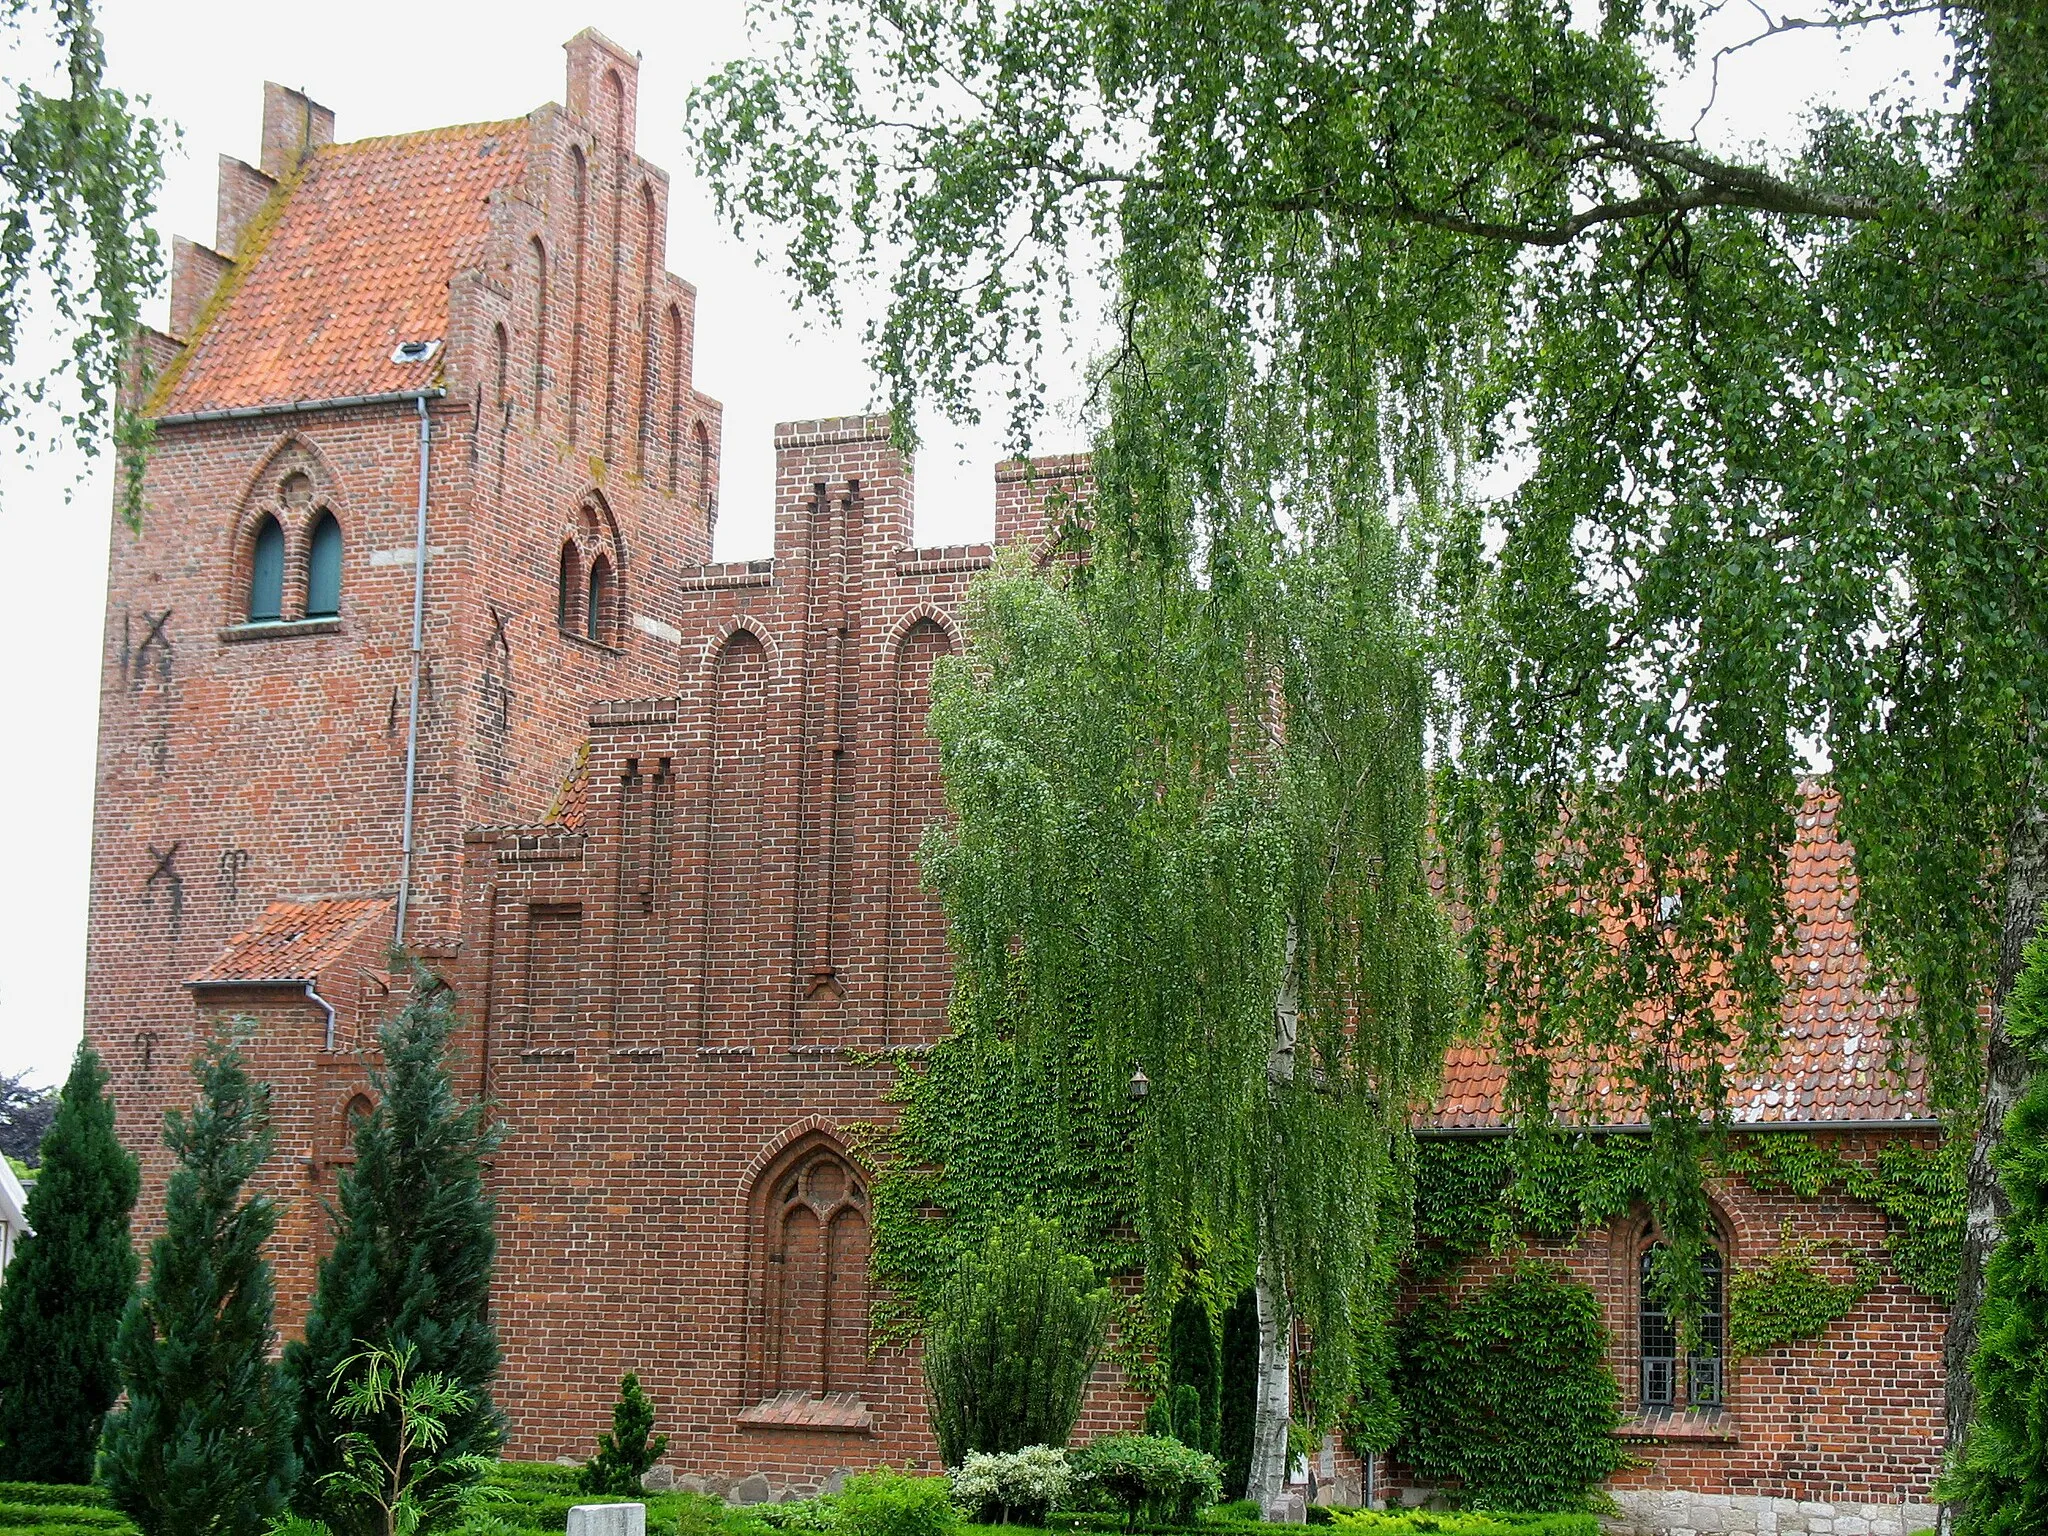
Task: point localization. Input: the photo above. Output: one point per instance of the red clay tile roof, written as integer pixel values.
(800, 1410)
(1834, 1040)
(573, 798)
(352, 256)
(292, 941)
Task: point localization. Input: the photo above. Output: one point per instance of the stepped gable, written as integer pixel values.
(352, 255)
(1835, 1040)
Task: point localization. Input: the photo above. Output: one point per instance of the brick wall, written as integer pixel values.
(668, 868)
(1853, 1416)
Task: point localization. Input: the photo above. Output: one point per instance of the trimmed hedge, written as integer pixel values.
(73, 1494)
(1368, 1522)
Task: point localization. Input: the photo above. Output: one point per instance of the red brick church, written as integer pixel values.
(419, 641)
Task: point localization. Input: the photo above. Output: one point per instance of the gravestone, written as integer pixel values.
(608, 1520)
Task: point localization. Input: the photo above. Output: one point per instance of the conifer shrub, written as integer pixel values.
(1508, 1400)
(203, 1445)
(1011, 1341)
(624, 1455)
(1194, 1372)
(1237, 1389)
(2000, 1484)
(411, 1264)
(63, 1295)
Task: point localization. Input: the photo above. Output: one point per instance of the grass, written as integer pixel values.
(535, 1498)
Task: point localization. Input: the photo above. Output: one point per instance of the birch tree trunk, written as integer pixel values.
(2005, 1078)
(1270, 1406)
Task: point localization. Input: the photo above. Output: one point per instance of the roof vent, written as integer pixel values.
(415, 351)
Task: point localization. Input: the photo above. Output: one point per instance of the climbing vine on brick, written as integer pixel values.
(979, 1138)
(1478, 1194)
(1785, 1297)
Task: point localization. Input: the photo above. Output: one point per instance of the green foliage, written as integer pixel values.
(1786, 1297)
(1508, 1395)
(1011, 1342)
(62, 1296)
(81, 170)
(397, 1474)
(203, 1444)
(70, 1495)
(1421, 1522)
(1013, 1487)
(886, 1502)
(1193, 1375)
(1481, 1194)
(1139, 861)
(1153, 1474)
(411, 1263)
(1237, 1385)
(2001, 1482)
(624, 1455)
(980, 1134)
(1766, 434)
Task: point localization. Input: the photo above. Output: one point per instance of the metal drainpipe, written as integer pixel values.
(412, 714)
(325, 1007)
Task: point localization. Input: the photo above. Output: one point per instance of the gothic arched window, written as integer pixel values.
(323, 569)
(1672, 1379)
(596, 614)
(266, 572)
(815, 1243)
(566, 592)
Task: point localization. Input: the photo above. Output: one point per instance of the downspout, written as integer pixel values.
(412, 713)
(325, 1007)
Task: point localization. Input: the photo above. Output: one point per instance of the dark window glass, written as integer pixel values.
(1662, 1368)
(565, 593)
(600, 582)
(323, 569)
(266, 573)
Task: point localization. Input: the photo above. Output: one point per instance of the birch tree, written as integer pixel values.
(1777, 422)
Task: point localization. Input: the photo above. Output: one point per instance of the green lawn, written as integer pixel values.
(537, 1497)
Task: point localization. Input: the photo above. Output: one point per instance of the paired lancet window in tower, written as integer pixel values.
(290, 558)
(587, 590)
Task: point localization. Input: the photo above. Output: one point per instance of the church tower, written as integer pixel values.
(429, 459)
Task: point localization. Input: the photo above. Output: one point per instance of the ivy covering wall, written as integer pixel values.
(982, 1134)
(1477, 1194)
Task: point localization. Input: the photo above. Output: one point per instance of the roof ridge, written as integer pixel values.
(420, 135)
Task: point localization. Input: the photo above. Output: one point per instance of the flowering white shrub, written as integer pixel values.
(1012, 1486)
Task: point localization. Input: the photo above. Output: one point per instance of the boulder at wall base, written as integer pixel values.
(753, 1490)
(658, 1479)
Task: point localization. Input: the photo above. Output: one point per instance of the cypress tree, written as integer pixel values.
(411, 1264)
(2002, 1481)
(1193, 1369)
(203, 1445)
(1237, 1384)
(62, 1301)
(624, 1456)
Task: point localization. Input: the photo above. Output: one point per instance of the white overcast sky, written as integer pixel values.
(389, 66)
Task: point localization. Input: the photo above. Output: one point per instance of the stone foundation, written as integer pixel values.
(1645, 1512)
